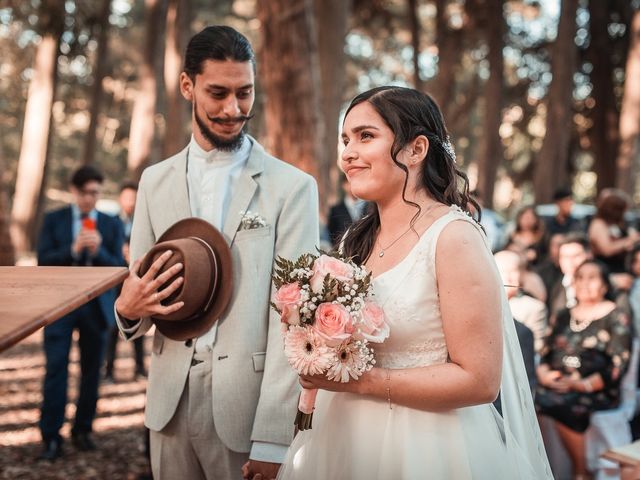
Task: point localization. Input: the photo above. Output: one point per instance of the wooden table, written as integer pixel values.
(33, 297)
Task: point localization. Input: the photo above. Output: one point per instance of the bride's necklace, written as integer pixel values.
(383, 249)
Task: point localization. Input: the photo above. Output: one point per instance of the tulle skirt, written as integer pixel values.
(356, 437)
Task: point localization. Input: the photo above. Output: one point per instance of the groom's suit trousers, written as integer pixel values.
(189, 447)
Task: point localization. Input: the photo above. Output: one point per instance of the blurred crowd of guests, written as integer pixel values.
(573, 283)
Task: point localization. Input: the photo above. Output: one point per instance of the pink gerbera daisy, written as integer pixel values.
(306, 352)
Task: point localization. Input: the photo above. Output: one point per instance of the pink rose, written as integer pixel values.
(337, 269)
(287, 299)
(373, 326)
(333, 323)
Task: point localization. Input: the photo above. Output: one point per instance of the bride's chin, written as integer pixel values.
(367, 196)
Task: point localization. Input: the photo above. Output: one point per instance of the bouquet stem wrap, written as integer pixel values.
(306, 405)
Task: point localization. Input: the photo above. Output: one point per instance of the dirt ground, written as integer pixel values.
(118, 427)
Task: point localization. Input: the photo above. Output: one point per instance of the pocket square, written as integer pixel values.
(251, 221)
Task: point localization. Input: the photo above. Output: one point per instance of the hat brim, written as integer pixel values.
(196, 227)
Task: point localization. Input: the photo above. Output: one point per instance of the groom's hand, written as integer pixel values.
(141, 297)
(255, 470)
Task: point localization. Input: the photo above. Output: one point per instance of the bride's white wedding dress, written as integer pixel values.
(356, 437)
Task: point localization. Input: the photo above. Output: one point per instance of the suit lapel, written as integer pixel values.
(179, 193)
(244, 191)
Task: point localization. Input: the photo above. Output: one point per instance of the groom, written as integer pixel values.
(227, 397)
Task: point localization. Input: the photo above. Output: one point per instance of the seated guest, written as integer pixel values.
(583, 361)
(530, 282)
(609, 236)
(573, 251)
(530, 235)
(527, 310)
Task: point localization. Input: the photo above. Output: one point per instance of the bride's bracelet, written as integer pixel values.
(388, 380)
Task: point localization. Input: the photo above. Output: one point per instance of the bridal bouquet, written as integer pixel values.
(329, 318)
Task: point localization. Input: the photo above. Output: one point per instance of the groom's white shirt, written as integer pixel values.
(212, 179)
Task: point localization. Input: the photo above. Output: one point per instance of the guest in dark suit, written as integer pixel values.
(77, 235)
(127, 201)
(344, 213)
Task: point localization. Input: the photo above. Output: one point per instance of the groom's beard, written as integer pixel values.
(224, 144)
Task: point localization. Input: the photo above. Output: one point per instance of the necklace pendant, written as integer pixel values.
(381, 254)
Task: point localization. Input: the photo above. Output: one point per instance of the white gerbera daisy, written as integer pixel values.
(306, 352)
(352, 360)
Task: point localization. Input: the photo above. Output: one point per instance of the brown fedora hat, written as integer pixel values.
(207, 272)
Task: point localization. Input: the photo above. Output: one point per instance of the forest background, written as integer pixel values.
(536, 94)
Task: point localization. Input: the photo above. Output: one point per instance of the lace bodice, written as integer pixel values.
(408, 294)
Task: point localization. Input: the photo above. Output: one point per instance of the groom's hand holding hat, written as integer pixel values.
(141, 297)
(185, 306)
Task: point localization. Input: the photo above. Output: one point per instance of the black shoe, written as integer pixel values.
(52, 450)
(83, 441)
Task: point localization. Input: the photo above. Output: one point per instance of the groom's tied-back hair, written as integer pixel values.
(410, 113)
(217, 42)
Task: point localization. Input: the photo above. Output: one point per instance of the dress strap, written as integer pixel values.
(455, 213)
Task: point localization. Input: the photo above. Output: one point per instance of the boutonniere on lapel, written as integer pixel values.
(251, 221)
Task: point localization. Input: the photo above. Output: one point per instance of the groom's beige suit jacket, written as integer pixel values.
(254, 390)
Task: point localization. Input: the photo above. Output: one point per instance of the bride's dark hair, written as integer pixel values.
(410, 113)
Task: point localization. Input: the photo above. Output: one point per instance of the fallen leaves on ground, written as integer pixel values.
(118, 427)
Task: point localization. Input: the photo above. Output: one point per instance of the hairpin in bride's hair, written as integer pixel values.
(448, 147)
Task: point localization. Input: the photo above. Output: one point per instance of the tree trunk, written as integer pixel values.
(178, 22)
(450, 49)
(290, 70)
(332, 18)
(37, 128)
(7, 253)
(553, 159)
(604, 130)
(629, 151)
(96, 89)
(144, 107)
(491, 154)
(414, 27)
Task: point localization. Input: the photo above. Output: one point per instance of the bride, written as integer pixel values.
(425, 411)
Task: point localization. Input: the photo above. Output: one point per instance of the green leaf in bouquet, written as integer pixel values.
(329, 288)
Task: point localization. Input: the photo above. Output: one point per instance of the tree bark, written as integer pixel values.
(290, 70)
(491, 153)
(414, 27)
(450, 49)
(553, 159)
(604, 130)
(7, 252)
(144, 108)
(178, 21)
(629, 152)
(332, 20)
(37, 129)
(100, 72)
